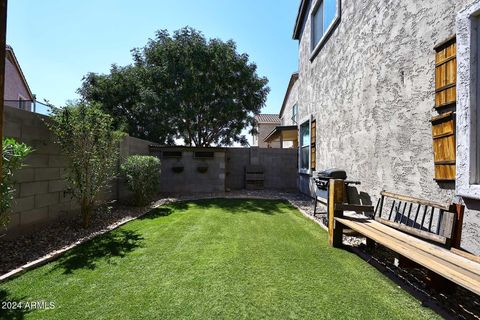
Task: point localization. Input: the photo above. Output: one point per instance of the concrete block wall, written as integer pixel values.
(236, 160)
(190, 180)
(40, 189)
(279, 165)
(41, 195)
(280, 168)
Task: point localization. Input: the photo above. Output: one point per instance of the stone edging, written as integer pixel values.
(57, 253)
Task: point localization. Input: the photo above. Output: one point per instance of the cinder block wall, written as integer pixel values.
(190, 180)
(41, 193)
(41, 190)
(279, 165)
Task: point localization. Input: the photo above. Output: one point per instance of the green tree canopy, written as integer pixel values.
(182, 86)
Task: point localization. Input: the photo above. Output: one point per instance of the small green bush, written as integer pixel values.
(14, 154)
(143, 177)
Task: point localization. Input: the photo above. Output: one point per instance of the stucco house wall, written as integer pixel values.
(371, 90)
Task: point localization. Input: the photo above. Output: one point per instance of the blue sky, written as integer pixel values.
(57, 42)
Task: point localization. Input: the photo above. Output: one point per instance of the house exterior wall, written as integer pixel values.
(263, 130)
(14, 85)
(291, 100)
(371, 91)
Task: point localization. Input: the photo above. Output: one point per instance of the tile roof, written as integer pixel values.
(267, 118)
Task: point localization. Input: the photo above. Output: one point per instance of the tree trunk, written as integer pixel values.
(86, 210)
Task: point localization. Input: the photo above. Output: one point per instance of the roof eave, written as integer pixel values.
(302, 12)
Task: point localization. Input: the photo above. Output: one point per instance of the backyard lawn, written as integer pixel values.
(212, 259)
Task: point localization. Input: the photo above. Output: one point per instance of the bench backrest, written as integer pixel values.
(425, 219)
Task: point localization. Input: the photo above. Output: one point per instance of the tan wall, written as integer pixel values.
(264, 130)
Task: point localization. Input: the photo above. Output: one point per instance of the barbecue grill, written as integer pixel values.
(322, 181)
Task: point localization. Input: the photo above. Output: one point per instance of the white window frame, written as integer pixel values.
(315, 48)
(300, 169)
(468, 112)
(22, 100)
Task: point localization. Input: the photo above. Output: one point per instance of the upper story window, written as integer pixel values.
(324, 16)
(294, 114)
(22, 103)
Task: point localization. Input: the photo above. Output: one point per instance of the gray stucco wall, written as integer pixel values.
(371, 90)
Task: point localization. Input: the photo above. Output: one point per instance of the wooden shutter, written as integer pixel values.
(445, 73)
(313, 140)
(443, 125)
(443, 132)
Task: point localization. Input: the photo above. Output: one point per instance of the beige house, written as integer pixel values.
(287, 131)
(265, 124)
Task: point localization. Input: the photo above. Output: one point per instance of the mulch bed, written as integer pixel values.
(59, 234)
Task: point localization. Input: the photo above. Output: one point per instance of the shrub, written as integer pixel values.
(143, 177)
(14, 154)
(89, 142)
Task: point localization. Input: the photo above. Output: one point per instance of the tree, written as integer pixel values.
(182, 86)
(87, 138)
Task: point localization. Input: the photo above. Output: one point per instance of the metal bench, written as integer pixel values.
(425, 232)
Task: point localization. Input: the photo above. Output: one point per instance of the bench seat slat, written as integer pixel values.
(401, 197)
(414, 231)
(449, 265)
(445, 254)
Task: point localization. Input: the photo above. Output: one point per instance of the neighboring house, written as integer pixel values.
(287, 131)
(265, 123)
(377, 95)
(17, 91)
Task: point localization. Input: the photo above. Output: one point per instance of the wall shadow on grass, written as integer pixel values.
(156, 213)
(235, 206)
(114, 244)
(11, 313)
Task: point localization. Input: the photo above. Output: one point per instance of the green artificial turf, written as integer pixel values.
(212, 259)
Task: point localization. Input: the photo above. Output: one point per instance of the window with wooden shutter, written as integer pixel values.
(313, 140)
(443, 132)
(443, 125)
(445, 74)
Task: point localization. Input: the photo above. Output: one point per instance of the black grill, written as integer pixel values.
(322, 182)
